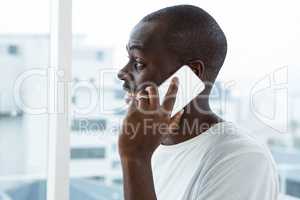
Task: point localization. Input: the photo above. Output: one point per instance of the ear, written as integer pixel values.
(197, 66)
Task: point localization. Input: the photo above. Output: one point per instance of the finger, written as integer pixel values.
(153, 96)
(175, 121)
(143, 100)
(170, 96)
(128, 98)
(132, 105)
(177, 117)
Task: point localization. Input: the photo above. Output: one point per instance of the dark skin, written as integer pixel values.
(151, 61)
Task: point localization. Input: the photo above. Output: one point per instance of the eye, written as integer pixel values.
(137, 62)
(139, 66)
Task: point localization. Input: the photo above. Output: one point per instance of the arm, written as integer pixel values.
(141, 134)
(138, 180)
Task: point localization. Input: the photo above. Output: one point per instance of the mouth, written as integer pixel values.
(129, 92)
(128, 88)
(129, 97)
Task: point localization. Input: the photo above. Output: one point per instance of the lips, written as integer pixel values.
(129, 92)
(129, 96)
(126, 87)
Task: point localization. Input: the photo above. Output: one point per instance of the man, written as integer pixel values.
(166, 158)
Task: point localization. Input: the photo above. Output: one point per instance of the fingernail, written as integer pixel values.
(148, 88)
(175, 80)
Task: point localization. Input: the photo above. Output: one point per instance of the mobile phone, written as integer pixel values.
(189, 87)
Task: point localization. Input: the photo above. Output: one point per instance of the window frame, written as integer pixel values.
(59, 77)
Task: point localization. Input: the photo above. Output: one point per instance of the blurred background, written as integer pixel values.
(257, 88)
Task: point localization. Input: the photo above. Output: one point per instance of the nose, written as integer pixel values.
(123, 75)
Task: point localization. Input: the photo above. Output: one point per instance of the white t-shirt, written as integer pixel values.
(222, 163)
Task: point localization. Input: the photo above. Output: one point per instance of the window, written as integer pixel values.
(23, 93)
(37, 147)
(118, 181)
(236, 84)
(87, 125)
(13, 50)
(116, 164)
(99, 55)
(98, 178)
(87, 153)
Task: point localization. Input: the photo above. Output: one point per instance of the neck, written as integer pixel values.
(197, 118)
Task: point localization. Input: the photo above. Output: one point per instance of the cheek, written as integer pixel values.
(147, 77)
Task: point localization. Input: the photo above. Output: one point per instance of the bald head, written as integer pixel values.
(190, 33)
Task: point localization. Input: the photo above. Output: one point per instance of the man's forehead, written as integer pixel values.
(144, 34)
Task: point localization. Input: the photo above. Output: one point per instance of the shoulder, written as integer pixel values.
(230, 142)
(237, 160)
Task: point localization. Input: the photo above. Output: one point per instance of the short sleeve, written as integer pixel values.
(248, 176)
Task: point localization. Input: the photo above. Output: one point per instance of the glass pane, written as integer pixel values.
(101, 31)
(24, 38)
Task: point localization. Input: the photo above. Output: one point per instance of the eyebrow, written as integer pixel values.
(135, 46)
